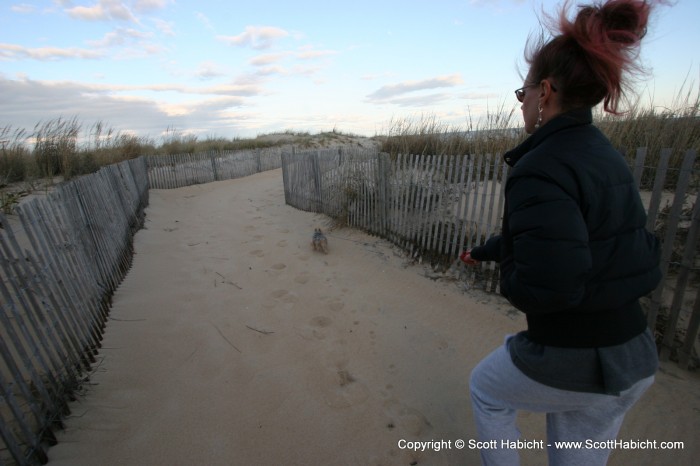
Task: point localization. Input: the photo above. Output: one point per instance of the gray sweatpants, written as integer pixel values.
(499, 389)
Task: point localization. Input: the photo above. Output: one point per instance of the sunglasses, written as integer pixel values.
(520, 93)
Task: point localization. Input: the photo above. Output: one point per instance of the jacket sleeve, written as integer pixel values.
(489, 251)
(550, 259)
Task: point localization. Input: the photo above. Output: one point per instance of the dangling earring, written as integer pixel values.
(539, 116)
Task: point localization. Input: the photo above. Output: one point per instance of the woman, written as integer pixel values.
(574, 253)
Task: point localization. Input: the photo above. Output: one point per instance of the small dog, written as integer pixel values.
(319, 241)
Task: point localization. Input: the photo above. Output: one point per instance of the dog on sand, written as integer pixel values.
(319, 241)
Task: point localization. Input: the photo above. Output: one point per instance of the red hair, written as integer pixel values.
(590, 55)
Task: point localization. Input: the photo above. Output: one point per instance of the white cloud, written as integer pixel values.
(30, 102)
(165, 27)
(256, 37)
(199, 107)
(23, 8)
(310, 54)
(208, 70)
(272, 70)
(103, 10)
(18, 52)
(150, 5)
(391, 92)
(267, 59)
(119, 37)
(202, 18)
(420, 101)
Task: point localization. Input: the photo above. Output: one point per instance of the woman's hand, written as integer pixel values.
(466, 257)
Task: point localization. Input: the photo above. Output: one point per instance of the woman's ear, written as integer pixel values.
(546, 91)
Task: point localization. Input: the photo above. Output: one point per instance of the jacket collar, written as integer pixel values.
(577, 117)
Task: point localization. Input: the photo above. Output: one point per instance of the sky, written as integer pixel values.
(238, 69)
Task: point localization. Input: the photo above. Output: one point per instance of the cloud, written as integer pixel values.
(238, 90)
(18, 52)
(420, 101)
(119, 37)
(103, 10)
(256, 37)
(202, 18)
(391, 93)
(267, 59)
(150, 5)
(271, 70)
(305, 54)
(165, 27)
(23, 8)
(30, 102)
(201, 109)
(209, 70)
(310, 54)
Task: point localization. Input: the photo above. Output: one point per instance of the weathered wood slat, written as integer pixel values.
(657, 189)
(671, 228)
(686, 266)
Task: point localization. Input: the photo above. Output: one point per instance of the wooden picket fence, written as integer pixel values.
(62, 256)
(57, 275)
(434, 207)
(176, 171)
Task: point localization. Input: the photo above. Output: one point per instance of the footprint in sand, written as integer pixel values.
(284, 296)
(304, 257)
(336, 305)
(302, 278)
(282, 243)
(276, 269)
(257, 253)
(337, 387)
(321, 321)
(284, 230)
(406, 418)
(249, 228)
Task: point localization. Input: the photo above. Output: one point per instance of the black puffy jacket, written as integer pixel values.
(574, 252)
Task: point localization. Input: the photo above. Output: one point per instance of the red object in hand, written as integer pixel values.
(467, 258)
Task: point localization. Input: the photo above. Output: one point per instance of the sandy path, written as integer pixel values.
(231, 342)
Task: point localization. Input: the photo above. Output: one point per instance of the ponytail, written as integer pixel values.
(592, 56)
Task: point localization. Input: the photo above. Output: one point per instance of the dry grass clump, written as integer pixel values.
(495, 133)
(14, 153)
(65, 148)
(677, 128)
(59, 149)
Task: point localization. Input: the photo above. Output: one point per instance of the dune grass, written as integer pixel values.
(676, 128)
